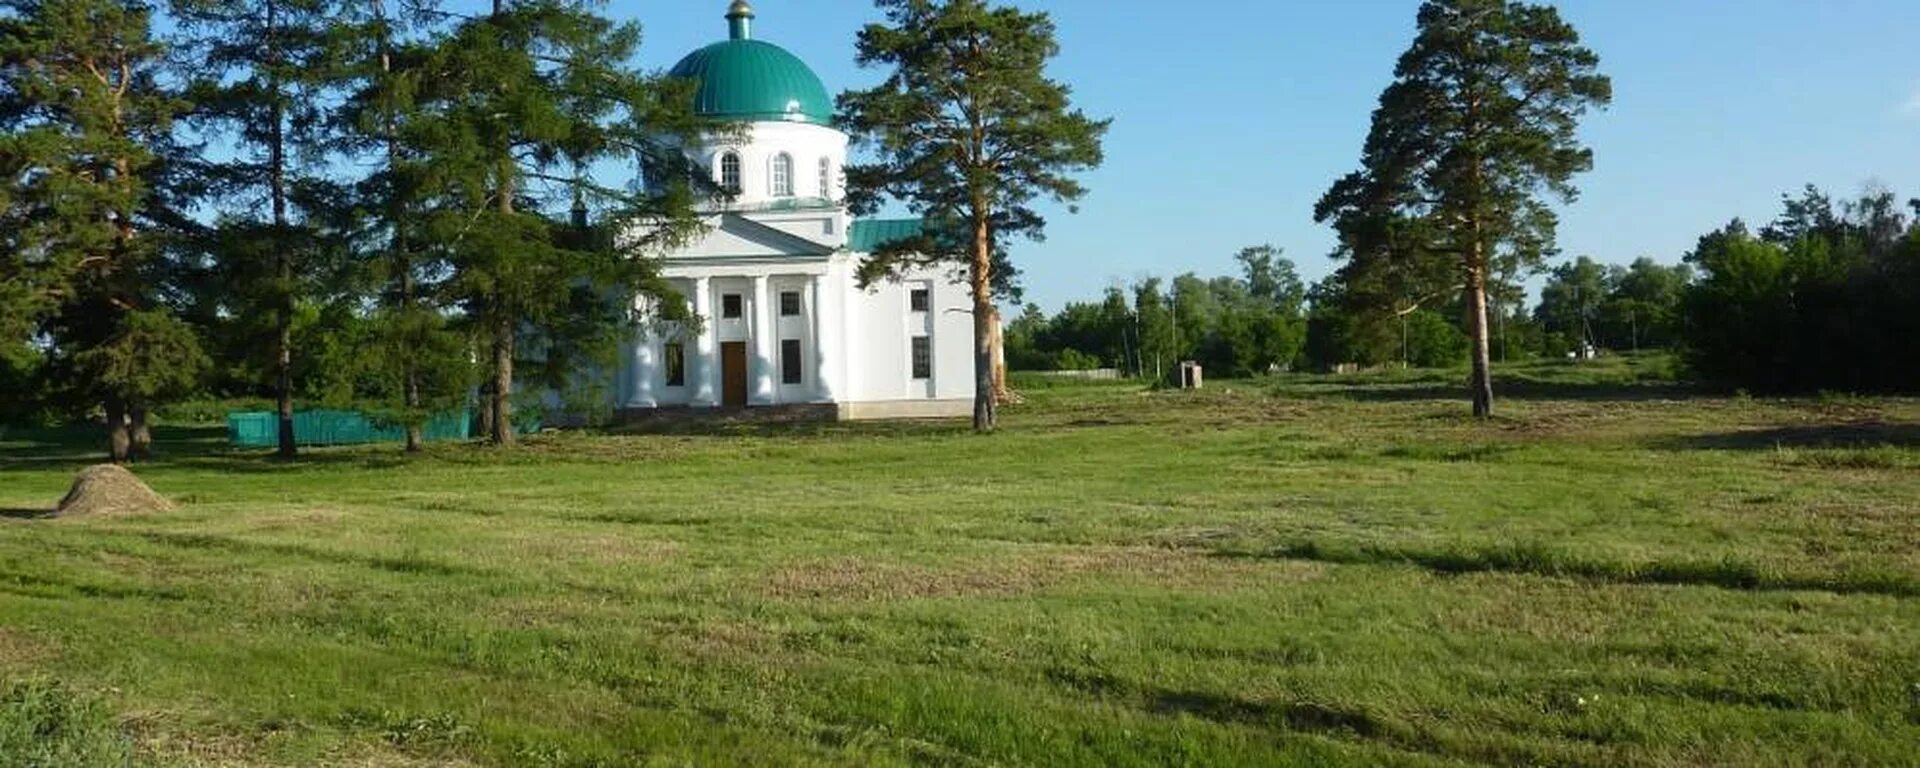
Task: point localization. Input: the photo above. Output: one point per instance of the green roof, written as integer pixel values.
(867, 235)
(747, 80)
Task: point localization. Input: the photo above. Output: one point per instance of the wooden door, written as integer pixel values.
(733, 374)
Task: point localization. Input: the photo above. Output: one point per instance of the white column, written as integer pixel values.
(642, 362)
(823, 373)
(623, 371)
(765, 350)
(645, 368)
(705, 362)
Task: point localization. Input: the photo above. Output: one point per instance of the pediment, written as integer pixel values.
(732, 236)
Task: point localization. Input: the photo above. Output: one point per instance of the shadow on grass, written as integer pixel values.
(80, 446)
(1509, 390)
(409, 563)
(265, 462)
(1539, 560)
(25, 513)
(75, 585)
(1304, 716)
(1850, 435)
(194, 448)
(1298, 715)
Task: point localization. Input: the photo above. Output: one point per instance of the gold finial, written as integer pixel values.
(740, 20)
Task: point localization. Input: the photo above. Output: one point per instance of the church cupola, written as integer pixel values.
(791, 156)
(747, 80)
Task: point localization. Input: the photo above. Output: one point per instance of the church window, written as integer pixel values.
(783, 175)
(730, 172)
(922, 358)
(676, 364)
(791, 370)
(920, 300)
(730, 307)
(789, 303)
(826, 178)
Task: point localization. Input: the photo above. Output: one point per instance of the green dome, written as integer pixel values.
(744, 79)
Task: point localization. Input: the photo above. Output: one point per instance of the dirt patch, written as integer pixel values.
(718, 640)
(107, 490)
(241, 751)
(597, 548)
(298, 519)
(861, 580)
(17, 649)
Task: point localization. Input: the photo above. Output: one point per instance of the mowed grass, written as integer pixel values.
(1310, 570)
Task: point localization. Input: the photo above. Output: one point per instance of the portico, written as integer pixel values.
(778, 315)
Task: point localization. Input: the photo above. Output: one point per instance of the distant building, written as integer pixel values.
(786, 323)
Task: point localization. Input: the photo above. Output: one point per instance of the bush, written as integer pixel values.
(1432, 342)
(1074, 360)
(210, 411)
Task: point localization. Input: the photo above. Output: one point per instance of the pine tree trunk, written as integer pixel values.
(1002, 394)
(119, 442)
(1481, 383)
(283, 264)
(485, 413)
(140, 434)
(403, 266)
(503, 323)
(502, 405)
(985, 415)
(283, 380)
(416, 437)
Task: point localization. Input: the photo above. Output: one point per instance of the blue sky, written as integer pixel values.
(1231, 117)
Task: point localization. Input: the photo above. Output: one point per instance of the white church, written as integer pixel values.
(786, 324)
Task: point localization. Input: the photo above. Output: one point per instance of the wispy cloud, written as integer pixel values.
(1911, 107)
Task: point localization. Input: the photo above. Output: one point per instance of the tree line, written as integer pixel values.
(1822, 299)
(1234, 325)
(394, 204)
(1266, 319)
(1819, 299)
(332, 199)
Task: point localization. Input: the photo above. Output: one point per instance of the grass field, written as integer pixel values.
(1309, 570)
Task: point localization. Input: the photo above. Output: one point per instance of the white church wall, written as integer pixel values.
(883, 326)
(792, 328)
(953, 338)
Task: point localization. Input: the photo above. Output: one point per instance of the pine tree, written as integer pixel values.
(264, 65)
(1479, 123)
(514, 105)
(84, 127)
(970, 132)
(421, 362)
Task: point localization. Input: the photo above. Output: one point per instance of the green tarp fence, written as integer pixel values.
(262, 429)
